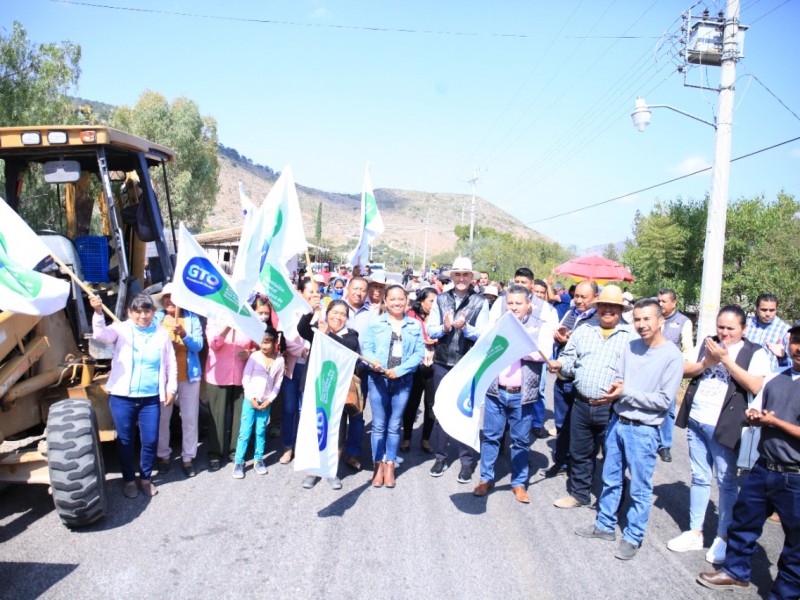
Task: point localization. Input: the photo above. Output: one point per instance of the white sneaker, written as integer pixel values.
(685, 542)
(716, 554)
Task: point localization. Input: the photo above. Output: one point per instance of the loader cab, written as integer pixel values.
(89, 194)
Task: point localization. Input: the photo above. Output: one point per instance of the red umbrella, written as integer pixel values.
(594, 267)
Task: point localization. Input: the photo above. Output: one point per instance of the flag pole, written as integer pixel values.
(82, 285)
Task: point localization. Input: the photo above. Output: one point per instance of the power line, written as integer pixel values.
(769, 12)
(596, 204)
(344, 27)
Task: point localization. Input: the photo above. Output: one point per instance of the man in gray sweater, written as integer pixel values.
(650, 372)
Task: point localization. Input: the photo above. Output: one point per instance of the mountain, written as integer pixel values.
(404, 212)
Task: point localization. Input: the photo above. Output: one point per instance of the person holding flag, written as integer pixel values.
(144, 375)
(395, 346)
(334, 326)
(511, 398)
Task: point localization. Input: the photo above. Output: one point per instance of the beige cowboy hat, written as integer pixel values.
(612, 294)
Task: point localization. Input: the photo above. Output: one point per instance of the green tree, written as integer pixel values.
(193, 176)
(656, 254)
(318, 224)
(500, 254)
(761, 251)
(611, 253)
(35, 79)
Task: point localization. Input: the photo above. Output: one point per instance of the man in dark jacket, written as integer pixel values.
(457, 319)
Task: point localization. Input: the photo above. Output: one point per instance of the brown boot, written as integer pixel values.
(377, 478)
(388, 474)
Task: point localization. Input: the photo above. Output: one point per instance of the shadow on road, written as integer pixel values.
(21, 506)
(469, 504)
(31, 580)
(344, 503)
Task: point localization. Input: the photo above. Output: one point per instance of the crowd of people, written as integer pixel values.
(618, 367)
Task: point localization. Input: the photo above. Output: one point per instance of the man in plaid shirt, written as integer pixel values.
(591, 356)
(768, 330)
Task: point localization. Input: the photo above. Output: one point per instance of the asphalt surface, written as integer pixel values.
(213, 536)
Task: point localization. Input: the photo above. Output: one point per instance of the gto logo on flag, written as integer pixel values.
(201, 277)
(325, 388)
(466, 399)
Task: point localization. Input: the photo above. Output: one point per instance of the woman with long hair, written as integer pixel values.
(394, 347)
(423, 377)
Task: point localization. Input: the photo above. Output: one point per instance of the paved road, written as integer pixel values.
(214, 536)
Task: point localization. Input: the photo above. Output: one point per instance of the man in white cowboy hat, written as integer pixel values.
(457, 319)
(591, 357)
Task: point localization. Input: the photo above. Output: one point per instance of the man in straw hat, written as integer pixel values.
(591, 358)
(457, 319)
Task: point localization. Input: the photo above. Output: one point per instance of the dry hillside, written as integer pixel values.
(404, 212)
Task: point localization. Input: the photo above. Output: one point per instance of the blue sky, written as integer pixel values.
(536, 95)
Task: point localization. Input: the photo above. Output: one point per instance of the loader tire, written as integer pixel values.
(75, 460)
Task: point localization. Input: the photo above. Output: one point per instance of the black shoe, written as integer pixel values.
(163, 465)
(214, 464)
(665, 454)
(426, 449)
(540, 433)
(438, 468)
(555, 471)
(189, 470)
(465, 474)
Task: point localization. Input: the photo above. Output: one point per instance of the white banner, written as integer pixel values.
(23, 290)
(199, 286)
(458, 404)
(328, 374)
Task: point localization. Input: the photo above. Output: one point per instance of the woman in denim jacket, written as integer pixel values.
(395, 346)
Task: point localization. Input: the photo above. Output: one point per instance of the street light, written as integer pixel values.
(641, 115)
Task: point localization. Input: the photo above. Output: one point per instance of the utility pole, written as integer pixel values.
(713, 252)
(474, 182)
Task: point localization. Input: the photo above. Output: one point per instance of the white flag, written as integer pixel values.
(462, 391)
(204, 289)
(371, 223)
(248, 260)
(328, 375)
(22, 289)
(272, 237)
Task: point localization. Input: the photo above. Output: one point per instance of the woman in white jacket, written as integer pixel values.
(144, 374)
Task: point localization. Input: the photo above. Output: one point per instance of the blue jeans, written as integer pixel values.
(762, 493)
(563, 399)
(706, 453)
(251, 417)
(587, 430)
(667, 427)
(633, 447)
(127, 412)
(292, 395)
(539, 403)
(506, 408)
(387, 399)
